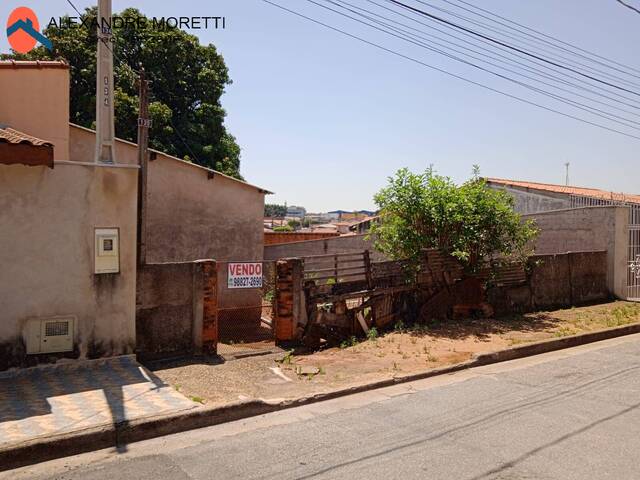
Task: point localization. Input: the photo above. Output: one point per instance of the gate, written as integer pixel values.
(633, 281)
(633, 257)
(246, 293)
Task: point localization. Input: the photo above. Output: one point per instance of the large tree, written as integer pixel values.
(471, 221)
(188, 80)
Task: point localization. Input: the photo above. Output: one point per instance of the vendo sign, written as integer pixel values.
(244, 275)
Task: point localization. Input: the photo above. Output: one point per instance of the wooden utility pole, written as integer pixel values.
(144, 123)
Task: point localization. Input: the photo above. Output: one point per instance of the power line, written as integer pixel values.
(532, 41)
(518, 65)
(441, 70)
(621, 100)
(542, 34)
(498, 42)
(629, 6)
(580, 106)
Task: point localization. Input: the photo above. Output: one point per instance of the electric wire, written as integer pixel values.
(448, 73)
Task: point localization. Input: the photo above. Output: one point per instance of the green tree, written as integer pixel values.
(294, 224)
(188, 80)
(471, 222)
(283, 228)
(275, 210)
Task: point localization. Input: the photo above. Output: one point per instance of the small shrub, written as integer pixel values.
(373, 334)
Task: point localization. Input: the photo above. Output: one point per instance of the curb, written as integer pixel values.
(64, 445)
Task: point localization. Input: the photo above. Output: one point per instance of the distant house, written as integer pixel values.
(297, 212)
(345, 215)
(363, 226)
(574, 218)
(534, 197)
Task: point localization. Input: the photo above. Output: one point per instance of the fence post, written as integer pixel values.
(210, 307)
(367, 269)
(288, 283)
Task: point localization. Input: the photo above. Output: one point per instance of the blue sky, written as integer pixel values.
(323, 119)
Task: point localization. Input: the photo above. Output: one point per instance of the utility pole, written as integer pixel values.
(144, 123)
(105, 126)
(566, 180)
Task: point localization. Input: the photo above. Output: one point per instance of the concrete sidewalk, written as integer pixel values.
(48, 413)
(60, 399)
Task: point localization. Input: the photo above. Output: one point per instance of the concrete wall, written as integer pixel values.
(588, 229)
(191, 216)
(82, 147)
(556, 281)
(346, 244)
(169, 309)
(35, 101)
(532, 201)
(47, 221)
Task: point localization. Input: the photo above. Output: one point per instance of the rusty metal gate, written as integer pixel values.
(245, 307)
(633, 257)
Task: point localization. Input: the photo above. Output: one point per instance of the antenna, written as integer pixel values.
(567, 175)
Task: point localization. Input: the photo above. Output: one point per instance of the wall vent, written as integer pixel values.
(49, 335)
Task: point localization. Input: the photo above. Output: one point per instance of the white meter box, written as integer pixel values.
(107, 250)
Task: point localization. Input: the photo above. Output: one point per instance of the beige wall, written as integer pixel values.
(47, 220)
(327, 246)
(83, 143)
(588, 229)
(192, 217)
(35, 101)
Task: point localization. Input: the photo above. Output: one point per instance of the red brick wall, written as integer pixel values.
(273, 238)
(210, 307)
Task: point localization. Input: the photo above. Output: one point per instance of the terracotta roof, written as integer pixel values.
(33, 64)
(19, 148)
(10, 135)
(569, 190)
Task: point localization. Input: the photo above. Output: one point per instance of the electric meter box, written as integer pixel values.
(107, 250)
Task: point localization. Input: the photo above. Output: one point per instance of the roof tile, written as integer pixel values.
(569, 190)
(9, 135)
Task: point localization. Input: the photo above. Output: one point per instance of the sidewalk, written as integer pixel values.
(58, 399)
(63, 410)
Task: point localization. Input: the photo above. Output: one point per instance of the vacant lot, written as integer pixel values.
(399, 352)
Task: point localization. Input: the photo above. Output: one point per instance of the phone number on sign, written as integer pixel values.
(246, 282)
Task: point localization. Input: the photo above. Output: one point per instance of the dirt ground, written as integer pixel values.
(402, 351)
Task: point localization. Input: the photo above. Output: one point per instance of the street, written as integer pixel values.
(572, 414)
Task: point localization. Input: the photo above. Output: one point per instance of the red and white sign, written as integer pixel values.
(244, 275)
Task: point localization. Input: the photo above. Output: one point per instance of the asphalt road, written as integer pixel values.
(566, 415)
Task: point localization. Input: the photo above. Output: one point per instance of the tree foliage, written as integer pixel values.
(275, 210)
(283, 228)
(188, 80)
(471, 222)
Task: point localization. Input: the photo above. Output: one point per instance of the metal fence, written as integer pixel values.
(245, 307)
(633, 258)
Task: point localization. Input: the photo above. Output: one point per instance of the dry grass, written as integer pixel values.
(402, 351)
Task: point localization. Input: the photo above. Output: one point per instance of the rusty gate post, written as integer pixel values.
(287, 298)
